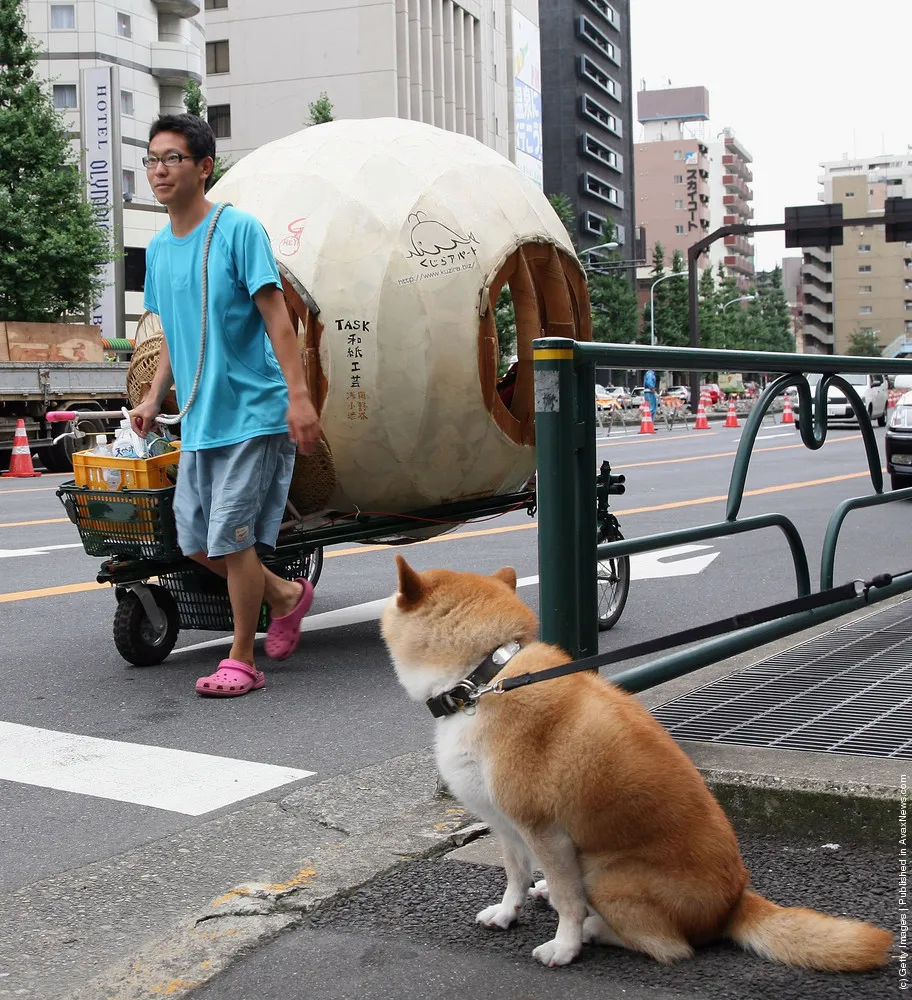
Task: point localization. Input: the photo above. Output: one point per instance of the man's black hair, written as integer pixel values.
(196, 131)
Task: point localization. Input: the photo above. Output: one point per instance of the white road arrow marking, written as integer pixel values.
(40, 550)
(656, 565)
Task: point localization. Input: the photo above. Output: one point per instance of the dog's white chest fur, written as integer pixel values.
(463, 766)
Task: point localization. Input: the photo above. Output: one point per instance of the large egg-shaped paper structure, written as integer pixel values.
(393, 239)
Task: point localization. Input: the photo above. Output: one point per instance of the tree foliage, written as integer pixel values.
(671, 326)
(52, 247)
(196, 104)
(563, 206)
(612, 295)
(321, 110)
(863, 343)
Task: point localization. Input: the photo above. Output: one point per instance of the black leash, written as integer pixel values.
(845, 592)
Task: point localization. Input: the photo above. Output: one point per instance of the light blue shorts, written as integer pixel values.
(230, 498)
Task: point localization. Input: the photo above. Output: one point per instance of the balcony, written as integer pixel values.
(819, 312)
(822, 333)
(737, 205)
(739, 264)
(820, 253)
(740, 245)
(173, 63)
(179, 8)
(734, 185)
(735, 165)
(810, 289)
(817, 271)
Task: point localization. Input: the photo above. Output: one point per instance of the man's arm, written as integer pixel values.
(303, 422)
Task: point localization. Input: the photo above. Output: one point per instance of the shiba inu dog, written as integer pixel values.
(575, 773)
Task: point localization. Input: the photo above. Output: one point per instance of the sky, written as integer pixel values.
(800, 82)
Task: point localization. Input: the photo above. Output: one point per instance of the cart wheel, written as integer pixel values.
(313, 565)
(136, 638)
(613, 582)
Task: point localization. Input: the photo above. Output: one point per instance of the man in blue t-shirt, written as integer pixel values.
(250, 409)
(649, 385)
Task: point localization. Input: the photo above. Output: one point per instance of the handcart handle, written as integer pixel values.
(63, 416)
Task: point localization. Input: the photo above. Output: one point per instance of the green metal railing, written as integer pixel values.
(565, 426)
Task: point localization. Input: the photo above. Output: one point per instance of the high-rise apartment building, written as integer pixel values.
(689, 183)
(587, 111)
(730, 180)
(468, 66)
(865, 285)
(154, 46)
(673, 168)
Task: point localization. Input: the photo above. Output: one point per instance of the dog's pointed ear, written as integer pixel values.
(411, 589)
(507, 575)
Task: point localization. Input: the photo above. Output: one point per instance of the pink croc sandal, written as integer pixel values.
(283, 633)
(231, 679)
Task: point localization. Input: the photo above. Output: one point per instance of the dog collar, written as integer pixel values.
(463, 695)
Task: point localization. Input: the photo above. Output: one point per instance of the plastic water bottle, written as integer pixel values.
(123, 442)
(110, 476)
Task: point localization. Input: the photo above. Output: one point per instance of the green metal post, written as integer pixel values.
(586, 520)
(558, 534)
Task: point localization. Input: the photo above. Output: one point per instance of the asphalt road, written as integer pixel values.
(334, 706)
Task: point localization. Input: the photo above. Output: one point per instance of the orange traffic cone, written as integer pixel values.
(646, 424)
(702, 424)
(732, 419)
(787, 416)
(21, 461)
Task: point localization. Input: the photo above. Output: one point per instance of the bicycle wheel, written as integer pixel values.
(613, 581)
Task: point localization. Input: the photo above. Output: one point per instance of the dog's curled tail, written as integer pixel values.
(806, 938)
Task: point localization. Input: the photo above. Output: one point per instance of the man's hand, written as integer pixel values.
(142, 417)
(303, 423)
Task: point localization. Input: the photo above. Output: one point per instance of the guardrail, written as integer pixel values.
(565, 426)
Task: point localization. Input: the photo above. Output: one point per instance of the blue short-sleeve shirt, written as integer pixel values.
(242, 392)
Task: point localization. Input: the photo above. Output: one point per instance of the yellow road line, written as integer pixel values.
(24, 595)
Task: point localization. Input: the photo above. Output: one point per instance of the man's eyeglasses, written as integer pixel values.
(169, 160)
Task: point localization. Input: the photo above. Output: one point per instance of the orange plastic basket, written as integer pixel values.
(135, 473)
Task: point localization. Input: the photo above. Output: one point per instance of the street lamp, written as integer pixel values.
(601, 246)
(743, 298)
(652, 315)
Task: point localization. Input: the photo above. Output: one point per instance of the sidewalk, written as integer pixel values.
(359, 870)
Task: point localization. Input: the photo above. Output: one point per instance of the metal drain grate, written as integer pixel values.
(848, 691)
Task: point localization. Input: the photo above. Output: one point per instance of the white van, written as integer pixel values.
(872, 389)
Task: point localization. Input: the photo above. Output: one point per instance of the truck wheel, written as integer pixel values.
(137, 640)
(59, 457)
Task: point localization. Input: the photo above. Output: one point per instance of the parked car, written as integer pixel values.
(713, 390)
(898, 440)
(680, 391)
(871, 388)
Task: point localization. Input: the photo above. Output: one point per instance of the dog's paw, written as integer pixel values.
(553, 953)
(540, 891)
(596, 931)
(498, 915)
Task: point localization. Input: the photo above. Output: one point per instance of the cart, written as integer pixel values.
(159, 591)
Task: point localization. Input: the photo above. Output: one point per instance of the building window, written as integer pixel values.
(589, 69)
(65, 96)
(595, 187)
(678, 154)
(134, 269)
(679, 230)
(866, 310)
(908, 305)
(865, 289)
(216, 4)
(63, 16)
(850, 194)
(590, 108)
(864, 268)
(606, 10)
(864, 247)
(124, 25)
(679, 178)
(586, 30)
(679, 205)
(217, 57)
(908, 282)
(593, 224)
(596, 150)
(128, 183)
(126, 103)
(220, 120)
